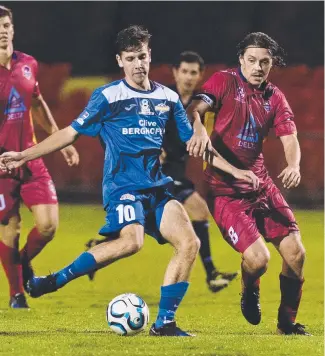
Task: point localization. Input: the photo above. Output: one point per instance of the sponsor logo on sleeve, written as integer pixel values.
(81, 119)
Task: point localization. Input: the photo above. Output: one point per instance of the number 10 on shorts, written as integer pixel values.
(233, 235)
(125, 213)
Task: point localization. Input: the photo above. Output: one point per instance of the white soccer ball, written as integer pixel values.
(127, 314)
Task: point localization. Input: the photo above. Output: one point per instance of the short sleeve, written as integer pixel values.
(283, 119)
(214, 89)
(89, 122)
(184, 127)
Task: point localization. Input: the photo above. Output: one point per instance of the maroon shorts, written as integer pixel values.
(35, 190)
(243, 220)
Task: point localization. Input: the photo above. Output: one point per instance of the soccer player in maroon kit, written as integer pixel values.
(19, 95)
(247, 106)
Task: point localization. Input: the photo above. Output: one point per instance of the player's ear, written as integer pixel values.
(119, 61)
(149, 51)
(241, 59)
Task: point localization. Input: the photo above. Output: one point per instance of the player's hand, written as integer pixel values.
(70, 155)
(247, 176)
(290, 177)
(11, 160)
(199, 142)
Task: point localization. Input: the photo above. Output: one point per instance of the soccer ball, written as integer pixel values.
(127, 314)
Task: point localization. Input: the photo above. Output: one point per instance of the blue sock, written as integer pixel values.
(171, 297)
(84, 264)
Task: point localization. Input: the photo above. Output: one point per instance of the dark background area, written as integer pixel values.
(83, 33)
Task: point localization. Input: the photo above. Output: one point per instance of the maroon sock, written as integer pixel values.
(291, 290)
(11, 264)
(249, 280)
(34, 245)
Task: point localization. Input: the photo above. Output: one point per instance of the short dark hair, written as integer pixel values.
(261, 40)
(189, 57)
(4, 11)
(132, 38)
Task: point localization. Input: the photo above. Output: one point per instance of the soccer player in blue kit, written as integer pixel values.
(130, 115)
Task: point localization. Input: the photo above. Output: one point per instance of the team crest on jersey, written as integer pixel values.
(240, 95)
(27, 72)
(127, 197)
(145, 107)
(162, 108)
(267, 106)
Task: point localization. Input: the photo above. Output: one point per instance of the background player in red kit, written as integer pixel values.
(247, 106)
(18, 95)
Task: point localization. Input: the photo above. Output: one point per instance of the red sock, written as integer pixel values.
(11, 264)
(34, 245)
(249, 280)
(291, 290)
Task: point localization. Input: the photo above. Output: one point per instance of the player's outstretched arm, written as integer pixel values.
(215, 159)
(291, 174)
(55, 142)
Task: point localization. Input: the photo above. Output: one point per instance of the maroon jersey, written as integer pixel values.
(244, 116)
(18, 87)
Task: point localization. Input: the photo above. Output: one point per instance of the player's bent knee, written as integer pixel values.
(259, 262)
(132, 239)
(134, 247)
(298, 256)
(47, 231)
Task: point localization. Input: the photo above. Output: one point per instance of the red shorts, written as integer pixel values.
(36, 189)
(243, 220)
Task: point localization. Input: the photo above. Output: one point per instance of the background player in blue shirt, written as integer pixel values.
(187, 71)
(130, 115)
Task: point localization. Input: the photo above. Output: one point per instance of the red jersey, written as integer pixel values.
(244, 116)
(18, 86)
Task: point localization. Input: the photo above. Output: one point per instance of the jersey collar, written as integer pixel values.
(152, 84)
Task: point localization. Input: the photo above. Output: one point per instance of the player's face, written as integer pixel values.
(256, 64)
(187, 76)
(6, 32)
(136, 64)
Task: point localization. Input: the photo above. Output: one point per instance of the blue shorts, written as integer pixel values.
(142, 206)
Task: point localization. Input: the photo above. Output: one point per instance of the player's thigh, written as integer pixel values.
(9, 233)
(128, 241)
(257, 254)
(291, 247)
(176, 227)
(46, 217)
(9, 199)
(235, 223)
(196, 207)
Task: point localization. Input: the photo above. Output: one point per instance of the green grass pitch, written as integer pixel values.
(72, 320)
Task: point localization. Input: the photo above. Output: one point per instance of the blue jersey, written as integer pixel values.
(131, 125)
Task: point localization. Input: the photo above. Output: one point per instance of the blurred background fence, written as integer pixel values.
(74, 42)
